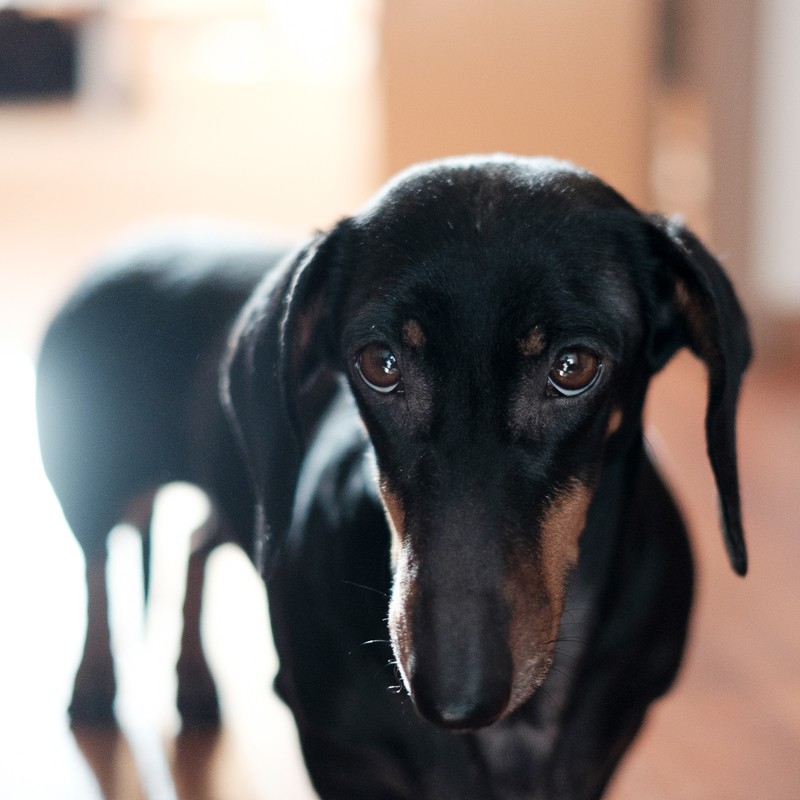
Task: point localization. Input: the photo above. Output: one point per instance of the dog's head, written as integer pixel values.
(497, 321)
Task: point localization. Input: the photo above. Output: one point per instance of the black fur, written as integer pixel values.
(474, 278)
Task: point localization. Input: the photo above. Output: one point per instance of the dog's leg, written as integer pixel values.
(94, 689)
(197, 696)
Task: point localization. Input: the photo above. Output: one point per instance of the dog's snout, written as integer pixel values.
(466, 704)
(460, 673)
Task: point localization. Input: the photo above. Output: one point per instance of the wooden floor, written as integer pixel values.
(730, 729)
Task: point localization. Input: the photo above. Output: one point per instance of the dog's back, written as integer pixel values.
(126, 388)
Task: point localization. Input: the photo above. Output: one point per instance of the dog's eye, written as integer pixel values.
(378, 368)
(573, 372)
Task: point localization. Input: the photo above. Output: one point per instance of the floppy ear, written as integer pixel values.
(276, 378)
(704, 314)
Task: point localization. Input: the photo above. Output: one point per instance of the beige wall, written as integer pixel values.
(229, 115)
(568, 78)
(776, 245)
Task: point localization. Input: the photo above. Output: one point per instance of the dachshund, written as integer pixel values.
(425, 426)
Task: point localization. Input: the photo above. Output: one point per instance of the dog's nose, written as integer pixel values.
(457, 662)
(463, 687)
(465, 710)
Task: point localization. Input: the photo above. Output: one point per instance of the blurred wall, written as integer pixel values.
(258, 111)
(571, 79)
(744, 58)
(776, 246)
(718, 62)
(288, 113)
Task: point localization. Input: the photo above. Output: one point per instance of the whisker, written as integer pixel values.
(558, 671)
(568, 659)
(379, 670)
(568, 640)
(573, 610)
(366, 588)
(393, 688)
(547, 695)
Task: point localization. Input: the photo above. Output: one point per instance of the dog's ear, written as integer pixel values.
(276, 379)
(699, 309)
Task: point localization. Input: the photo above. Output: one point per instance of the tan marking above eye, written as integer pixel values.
(533, 343)
(614, 422)
(413, 334)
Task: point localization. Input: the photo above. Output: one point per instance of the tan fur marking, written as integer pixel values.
(413, 334)
(401, 608)
(395, 515)
(695, 318)
(403, 599)
(614, 422)
(533, 625)
(535, 588)
(561, 529)
(533, 343)
(306, 324)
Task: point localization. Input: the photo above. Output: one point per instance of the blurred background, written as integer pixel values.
(284, 115)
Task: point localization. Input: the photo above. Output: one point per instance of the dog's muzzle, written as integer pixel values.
(460, 672)
(452, 644)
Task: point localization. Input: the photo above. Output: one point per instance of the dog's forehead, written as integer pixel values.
(477, 190)
(526, 212)
(520, 237)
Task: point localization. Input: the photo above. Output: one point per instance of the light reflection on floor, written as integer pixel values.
(42, 621)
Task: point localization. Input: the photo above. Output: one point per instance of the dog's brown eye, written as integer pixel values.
(573, 372)
(377, 366)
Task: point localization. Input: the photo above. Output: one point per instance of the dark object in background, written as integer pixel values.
(38, 57)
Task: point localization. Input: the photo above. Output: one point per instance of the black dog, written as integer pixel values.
(438, 411)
